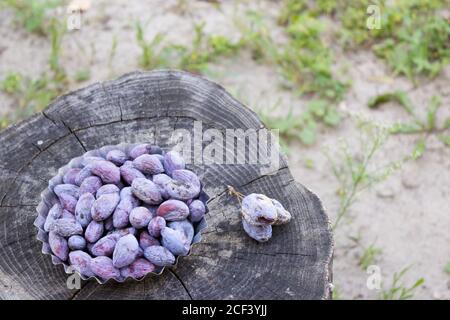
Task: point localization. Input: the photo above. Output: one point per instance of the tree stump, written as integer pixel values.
(147, 106)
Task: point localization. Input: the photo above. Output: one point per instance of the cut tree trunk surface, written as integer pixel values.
(147, 107)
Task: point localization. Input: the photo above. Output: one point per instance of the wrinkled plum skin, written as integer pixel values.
(88, 160)
(76, 242)
(94, 231)
(185, 227)
(175, 241)
(260, 233)
(106, 170)
(259, 213)
(71, 175)
(67, 215)
(91, 185)
(139, 150)
(66, 227)
(80, 261)
(106, 189)
(124, 213)
(83, 174)
(103, 267)
(117, 157)
(68, 202)
(148, 164)
(258, 209)
(159, 256)
(129, 173)
(69, 189)
(108, 224)
(58, 245)
(104, 246)
(162, 181)
(126, 251)
(104, 206)
(283, 216)
(146, 191)
(156, 225)
(173, 161)
(137, 269)
(125, 231)
(173, 210)
(120, 218)
(140, 217)
(197, 210)
(54, 213)
(146, 240)
(83, 209)
(185, 185)
(140, 253)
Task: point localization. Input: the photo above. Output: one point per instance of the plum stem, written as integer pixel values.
(233, 192)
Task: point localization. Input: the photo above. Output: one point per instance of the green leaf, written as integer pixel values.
(332, 118)
(419, 150)
(308, 135)
(447, 268)
(83, 75)
(431, 113)
(399, 97)
(318, 107)
(447, 123)
(309, 163)
(405, 128)
(11, 83)
(445, 139)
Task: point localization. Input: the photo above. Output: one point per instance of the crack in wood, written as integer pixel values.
(75, 135)
(182, 283)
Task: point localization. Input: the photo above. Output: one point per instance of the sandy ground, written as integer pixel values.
(406, 216)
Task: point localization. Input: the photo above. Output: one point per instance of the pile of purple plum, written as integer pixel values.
(260, 213)
(126, 214)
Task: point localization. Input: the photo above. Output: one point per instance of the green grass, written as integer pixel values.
(447, 268)
(32, 15)
(369, 257)
(336, 294)
(304, 127)
(196, 57)
(82, 75)
(12, 83)
(57, 30)
(420, 45)
(151, 52)
(305, 61)
(416, 125)
(399, 291)
(353, 165)
(413, 38)
(32, 95)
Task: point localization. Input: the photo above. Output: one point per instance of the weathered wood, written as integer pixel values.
(294, 264)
